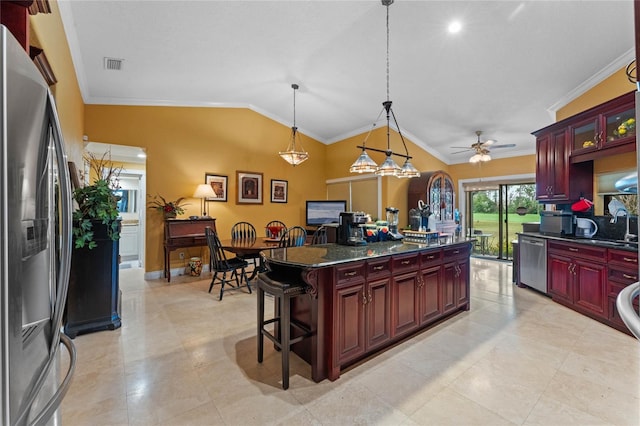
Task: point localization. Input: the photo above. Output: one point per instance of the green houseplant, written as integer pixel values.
(97, 204)
(94, 290)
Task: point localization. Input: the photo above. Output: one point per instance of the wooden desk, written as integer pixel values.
(182, 233)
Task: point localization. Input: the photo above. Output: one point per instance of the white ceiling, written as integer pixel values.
(512, 65)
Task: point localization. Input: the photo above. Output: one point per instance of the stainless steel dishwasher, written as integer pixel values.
(533, 262)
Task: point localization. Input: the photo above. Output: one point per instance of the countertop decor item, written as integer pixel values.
(364, 163)
(295, 153)
(170, 209)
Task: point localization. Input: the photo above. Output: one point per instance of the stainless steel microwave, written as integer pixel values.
(556, 223)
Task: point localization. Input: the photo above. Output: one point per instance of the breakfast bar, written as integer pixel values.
(363, 299)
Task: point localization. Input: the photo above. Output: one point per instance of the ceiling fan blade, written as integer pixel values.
(506, 145)
(461, 147)
(460, 152)
(489, 142)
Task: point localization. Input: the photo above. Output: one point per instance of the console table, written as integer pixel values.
(182, 233)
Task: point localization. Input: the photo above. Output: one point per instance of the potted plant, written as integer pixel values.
(170, 209)
(93, 296)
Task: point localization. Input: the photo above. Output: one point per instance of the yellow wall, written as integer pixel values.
(612, 87)
(184, 143)
(48, 33)
(341, 155)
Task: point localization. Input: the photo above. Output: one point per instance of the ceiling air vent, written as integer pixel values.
(113, 64)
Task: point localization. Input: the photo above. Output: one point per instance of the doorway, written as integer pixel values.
(495, 215)
(132, 195)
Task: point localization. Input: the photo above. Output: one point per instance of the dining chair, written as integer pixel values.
(275, 228)
(320, 236)
(293, 237)
(244, 231)
(235, 266)
(477, 245)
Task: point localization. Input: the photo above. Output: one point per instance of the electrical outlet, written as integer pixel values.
(181, 254)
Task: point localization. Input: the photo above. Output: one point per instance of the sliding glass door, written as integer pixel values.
(495, 215)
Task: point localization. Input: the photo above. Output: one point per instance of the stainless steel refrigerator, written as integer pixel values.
(35, 243)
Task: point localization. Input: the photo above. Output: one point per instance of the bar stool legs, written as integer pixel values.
(283, 293)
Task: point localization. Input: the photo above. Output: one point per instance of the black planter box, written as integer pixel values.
(93, 300)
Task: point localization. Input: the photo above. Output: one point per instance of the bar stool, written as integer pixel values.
(283, 289)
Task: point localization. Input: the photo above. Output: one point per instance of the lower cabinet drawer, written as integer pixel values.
(405, 263)
(350, 273)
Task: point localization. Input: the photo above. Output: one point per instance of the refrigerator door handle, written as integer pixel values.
(65, 225)
(54, 403)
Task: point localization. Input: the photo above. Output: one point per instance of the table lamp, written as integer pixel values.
(204, 191)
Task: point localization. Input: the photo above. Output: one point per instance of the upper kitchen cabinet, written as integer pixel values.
(604, 130)
(557, 180)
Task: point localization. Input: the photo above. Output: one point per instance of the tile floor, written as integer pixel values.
(184, 358)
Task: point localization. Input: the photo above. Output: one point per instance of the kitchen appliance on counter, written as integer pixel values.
(351, 229)
(533, 262)
(35, 242)
(392, 220)
(556, 223)
(585, 228)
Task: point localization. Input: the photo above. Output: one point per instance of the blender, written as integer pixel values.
(392, 221)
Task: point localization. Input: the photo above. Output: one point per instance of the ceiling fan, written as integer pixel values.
(481, 149)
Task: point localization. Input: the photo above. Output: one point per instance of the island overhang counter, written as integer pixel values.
(363, 299)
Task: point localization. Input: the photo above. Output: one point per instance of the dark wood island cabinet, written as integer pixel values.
(364, 299)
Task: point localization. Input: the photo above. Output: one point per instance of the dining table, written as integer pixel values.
(249, 247)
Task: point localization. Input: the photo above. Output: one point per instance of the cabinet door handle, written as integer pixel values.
(456, 252)
(405, 262)
(370, 298)
(364, 298)
(630, 277)
(630, 259)
(378, 268)
(573, 249)
(431, 257)
(350, 274)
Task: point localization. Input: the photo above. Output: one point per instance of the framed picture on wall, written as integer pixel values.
(219, 185)
(249, 187)
(279, 190)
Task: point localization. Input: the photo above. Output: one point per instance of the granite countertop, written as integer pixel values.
(616, 244)
(321, 255)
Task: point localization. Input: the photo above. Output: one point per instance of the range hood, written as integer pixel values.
(628, 184)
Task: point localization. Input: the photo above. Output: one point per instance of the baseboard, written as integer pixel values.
(175, 272)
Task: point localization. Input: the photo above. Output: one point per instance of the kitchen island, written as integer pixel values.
(364, 299)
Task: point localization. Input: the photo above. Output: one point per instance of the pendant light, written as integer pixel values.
(292, 155)
(364, 163)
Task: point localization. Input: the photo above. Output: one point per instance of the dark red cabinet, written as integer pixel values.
(577, 276)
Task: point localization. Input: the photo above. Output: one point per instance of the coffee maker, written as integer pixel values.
(351, 229)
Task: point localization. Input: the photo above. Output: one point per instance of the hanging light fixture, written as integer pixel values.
(292, 155)
(364, 163)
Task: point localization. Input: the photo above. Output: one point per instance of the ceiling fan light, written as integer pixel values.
(475, 158)
(485, 157)
(408, 171)
(364, 164)
(388, 168)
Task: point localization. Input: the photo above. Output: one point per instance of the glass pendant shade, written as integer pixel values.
(291, 155)
(364, 164)
(485, 157)
(408, 171)
(475, 158)
(388, 168)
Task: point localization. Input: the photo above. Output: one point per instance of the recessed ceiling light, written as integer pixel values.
(455, 27)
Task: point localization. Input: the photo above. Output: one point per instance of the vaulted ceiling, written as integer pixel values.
(509, 68)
